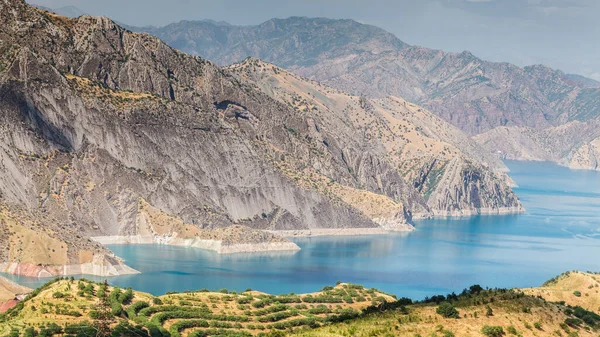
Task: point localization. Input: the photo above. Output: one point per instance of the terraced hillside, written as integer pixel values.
(68, 307)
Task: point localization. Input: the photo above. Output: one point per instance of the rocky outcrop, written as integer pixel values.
(470, 191)
(587, 157)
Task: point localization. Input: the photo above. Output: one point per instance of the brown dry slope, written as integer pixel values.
(452, 173)
(573, 288)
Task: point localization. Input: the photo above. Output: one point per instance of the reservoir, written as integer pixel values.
(559, 232)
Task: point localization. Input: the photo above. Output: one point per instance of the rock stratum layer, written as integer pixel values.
(112, 134)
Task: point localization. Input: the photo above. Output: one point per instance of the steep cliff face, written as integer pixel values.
(97, 118)
(451, 172)
(473, 94)
(466, 189)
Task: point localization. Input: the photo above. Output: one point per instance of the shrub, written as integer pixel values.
(492, 331)
(538, 325)
(447, 310)
(577, 293)
(512, 330)
(475, 289)
(126, 297)
(573, 322)
(58, 294)
(14, 333)
(116, 309)
(448, 333)
(29, 332)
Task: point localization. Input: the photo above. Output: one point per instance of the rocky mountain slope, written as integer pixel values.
(450, 170)
(470, 93)
(574, 144)
(100, 121)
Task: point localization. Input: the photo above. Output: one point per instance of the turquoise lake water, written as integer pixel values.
(559, 232)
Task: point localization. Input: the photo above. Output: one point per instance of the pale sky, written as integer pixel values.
(563, 34)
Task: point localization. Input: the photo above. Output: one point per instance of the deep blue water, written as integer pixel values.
(559, 232)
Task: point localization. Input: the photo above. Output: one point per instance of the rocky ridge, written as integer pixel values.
(473, 94)
(450, 171)
(9, 290)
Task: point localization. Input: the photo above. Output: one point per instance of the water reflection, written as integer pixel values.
(558, 233)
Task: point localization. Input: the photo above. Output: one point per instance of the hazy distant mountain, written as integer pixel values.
(471, 93)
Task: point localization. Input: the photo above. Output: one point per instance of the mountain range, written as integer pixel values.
(111, 136)
(511, 110)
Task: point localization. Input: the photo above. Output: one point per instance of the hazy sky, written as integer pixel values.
(564, 34)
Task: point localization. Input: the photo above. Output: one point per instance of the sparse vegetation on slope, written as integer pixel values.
(82, 308)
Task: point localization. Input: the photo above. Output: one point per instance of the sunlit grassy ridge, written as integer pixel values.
(68, 307)
(74, 307)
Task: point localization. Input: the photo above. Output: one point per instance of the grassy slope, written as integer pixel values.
(564, 287)
(254, 313)
(9, 289)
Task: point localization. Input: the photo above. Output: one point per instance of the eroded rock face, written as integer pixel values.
(9, 291)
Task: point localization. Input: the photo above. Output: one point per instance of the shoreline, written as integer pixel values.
(212, 245)
(336, 232)
(95, 268)
(480, 211)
